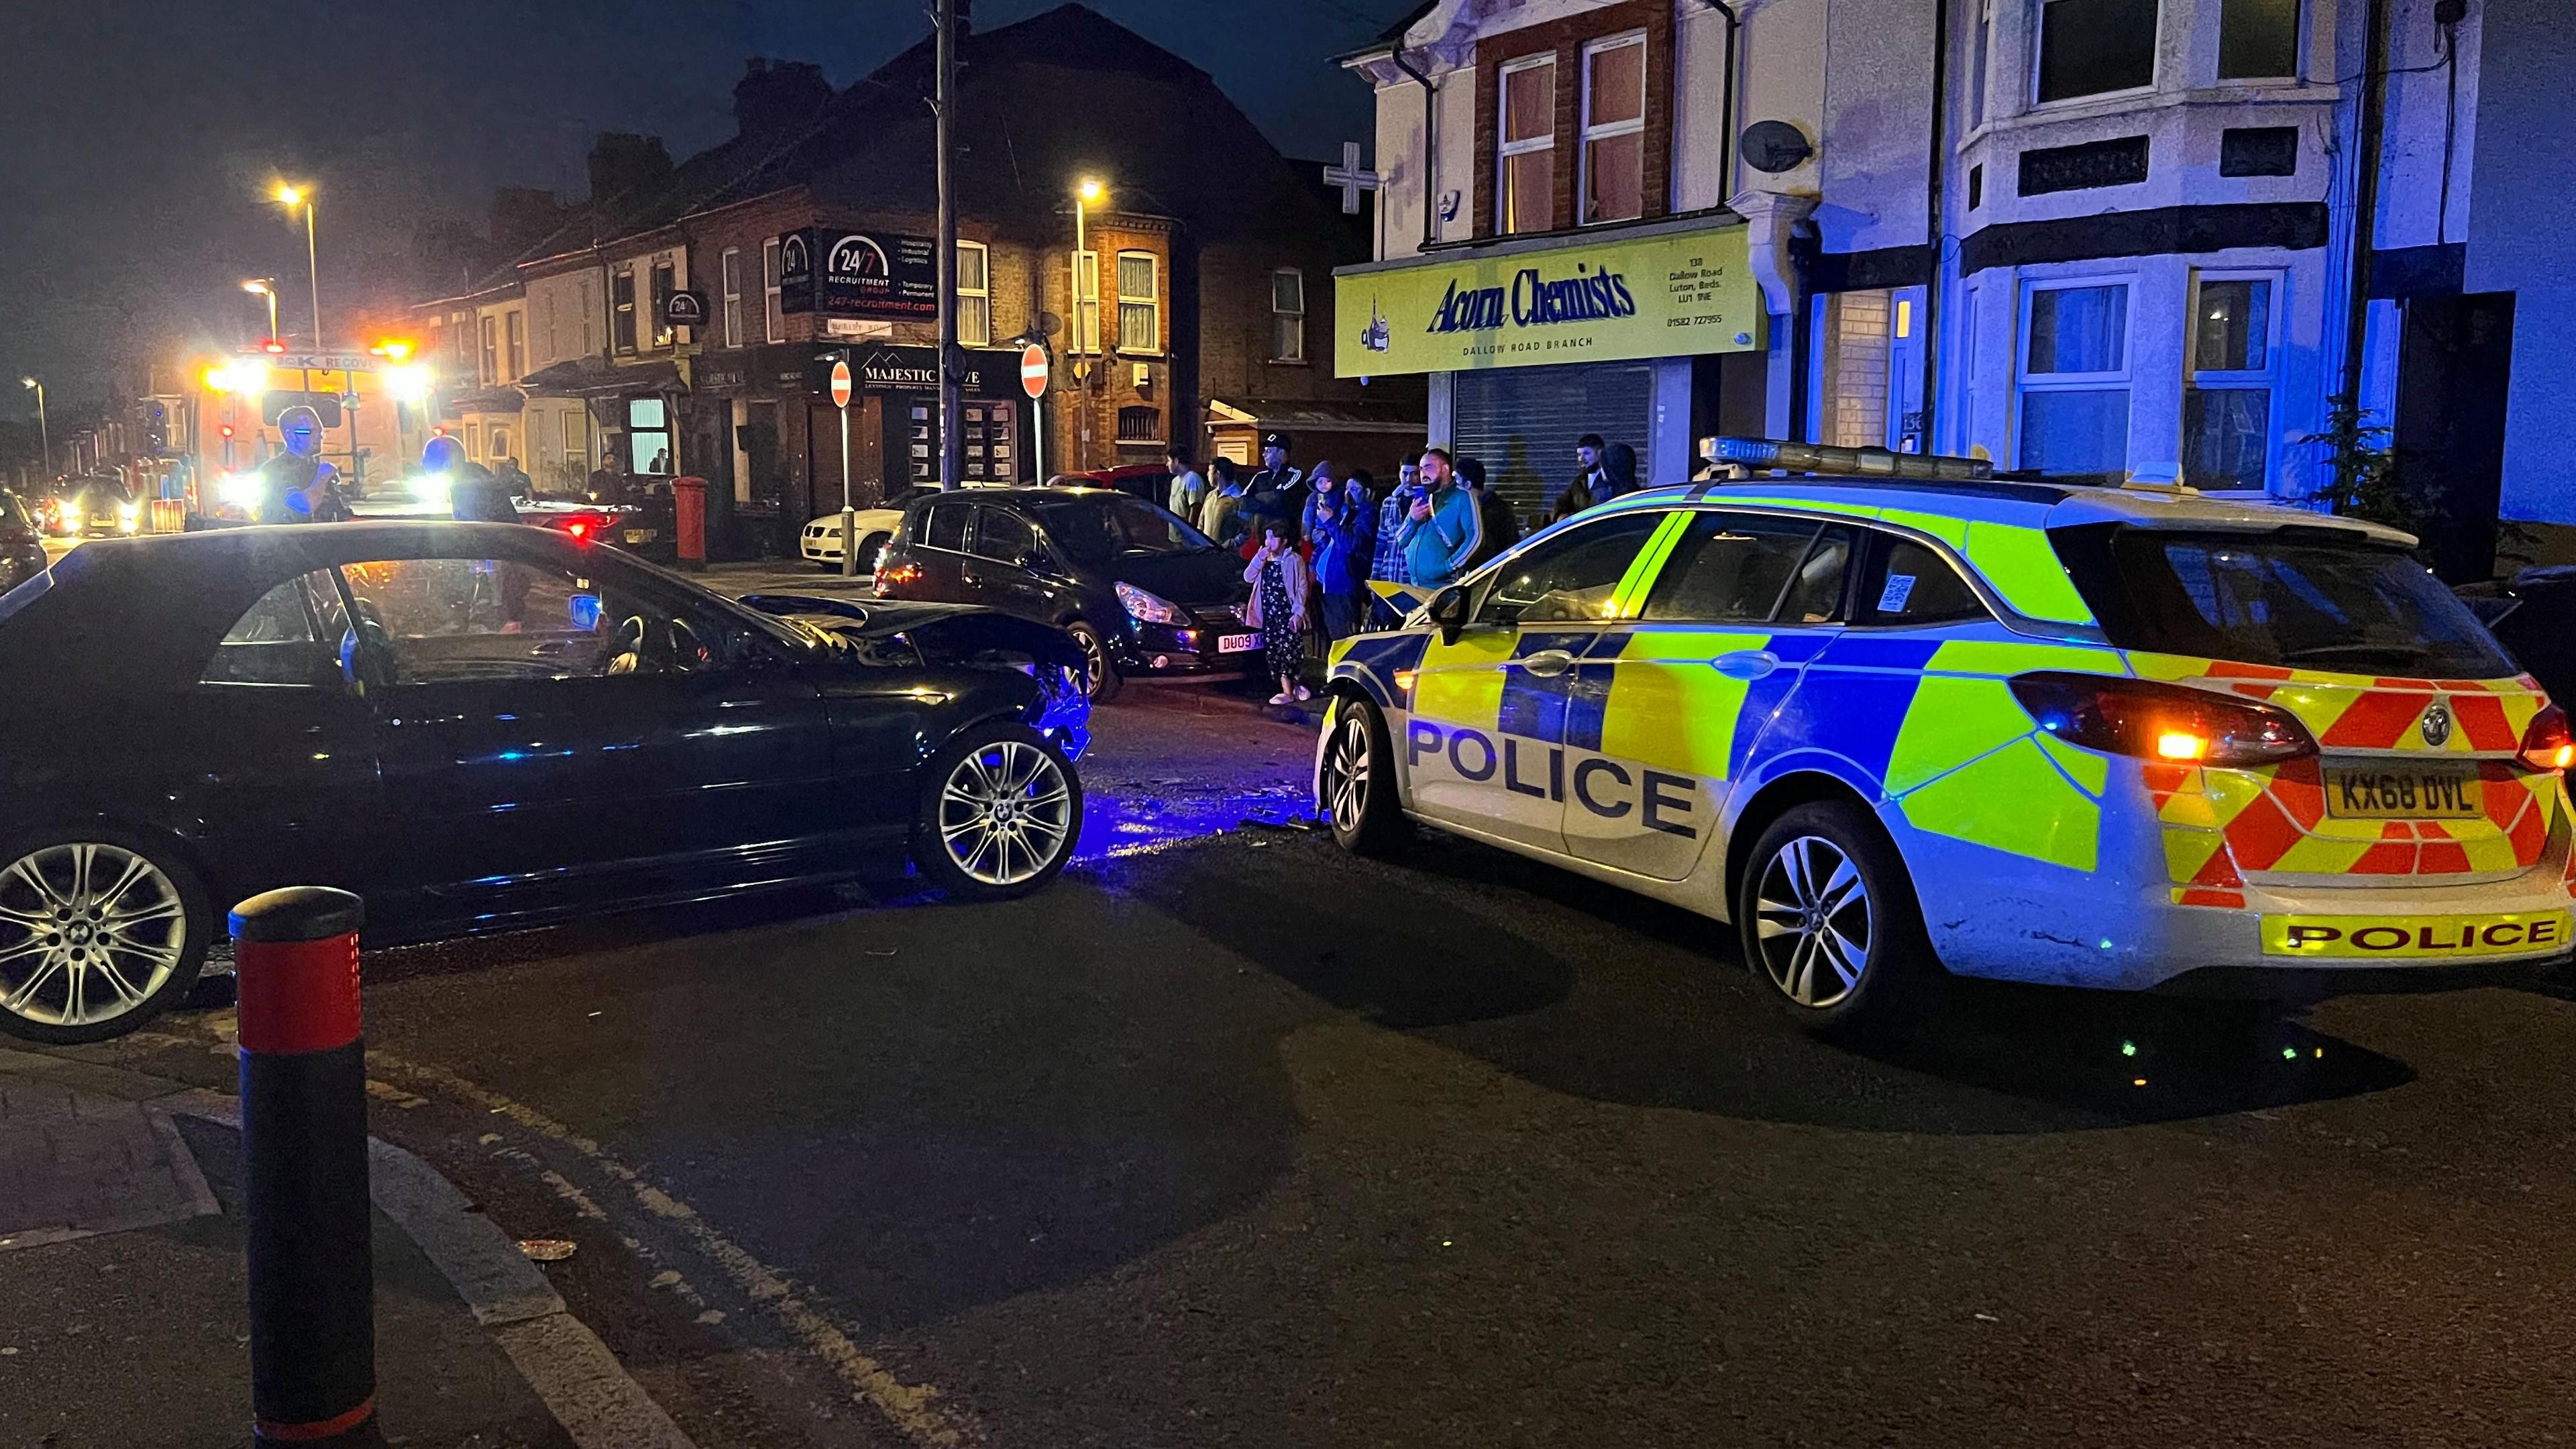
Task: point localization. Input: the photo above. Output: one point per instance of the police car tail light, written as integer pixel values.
(2549, 744)
(2155, 721)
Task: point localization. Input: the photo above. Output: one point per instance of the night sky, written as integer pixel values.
(144, 134)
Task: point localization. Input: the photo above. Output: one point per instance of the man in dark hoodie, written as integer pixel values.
(1501, 527)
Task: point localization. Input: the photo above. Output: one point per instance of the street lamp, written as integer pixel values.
(291, 197)
(265, 287)
(44, 433)
(1086, 324)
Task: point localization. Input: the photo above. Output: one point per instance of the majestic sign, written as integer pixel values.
(1613, 300)
(883, 278)
(887, 367)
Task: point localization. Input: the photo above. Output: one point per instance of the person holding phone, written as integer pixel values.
(1280, 588)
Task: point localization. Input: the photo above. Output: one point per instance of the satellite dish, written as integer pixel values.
(1775, 146)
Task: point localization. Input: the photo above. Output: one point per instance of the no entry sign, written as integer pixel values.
(1033, 371)
(840, 384)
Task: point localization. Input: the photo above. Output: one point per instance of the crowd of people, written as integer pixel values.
(1314, 539)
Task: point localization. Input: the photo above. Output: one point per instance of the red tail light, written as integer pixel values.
(2169, 722)
(2548, 744)
(578, 530)
(892, 574)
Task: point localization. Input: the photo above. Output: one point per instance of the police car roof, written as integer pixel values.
(2026, 503)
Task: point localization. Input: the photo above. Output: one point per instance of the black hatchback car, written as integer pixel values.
(477, 727)
(1141, 592)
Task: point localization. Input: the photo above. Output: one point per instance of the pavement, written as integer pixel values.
(1230, 1139)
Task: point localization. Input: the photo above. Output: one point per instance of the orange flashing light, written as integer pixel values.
(2180, 745)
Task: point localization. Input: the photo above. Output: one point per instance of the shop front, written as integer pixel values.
(1649, 336)
(894, 422)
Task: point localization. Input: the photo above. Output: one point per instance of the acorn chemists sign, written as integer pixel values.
(1534, 304)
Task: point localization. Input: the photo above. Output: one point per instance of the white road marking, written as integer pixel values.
(915, 1410)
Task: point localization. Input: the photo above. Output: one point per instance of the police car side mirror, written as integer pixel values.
(1449, 612)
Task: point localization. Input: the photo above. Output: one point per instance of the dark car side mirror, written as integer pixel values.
(1449, 612)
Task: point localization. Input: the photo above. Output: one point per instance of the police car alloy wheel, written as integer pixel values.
(1355, 783)
(1000, 812)
(1829, 922)
(98, 935)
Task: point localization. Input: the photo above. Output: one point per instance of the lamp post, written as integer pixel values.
(1086, 339)
(292, 197)
(265, 287)
(44, 432)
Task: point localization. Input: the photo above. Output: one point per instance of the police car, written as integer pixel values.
(1887, 725)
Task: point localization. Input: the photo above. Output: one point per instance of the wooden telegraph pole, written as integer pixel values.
(952, 361)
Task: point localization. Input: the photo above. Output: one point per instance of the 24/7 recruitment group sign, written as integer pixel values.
(1669, 294)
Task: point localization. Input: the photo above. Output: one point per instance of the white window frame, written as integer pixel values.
(1585, 133)
(1086, 302)
(1280, 317)
(487, 333)
(2039, 48)
(2026, 382)
(981, 336)
(1149, 302)
(773, 295)
(2266, 378)
(729, 275)
(1505, 150)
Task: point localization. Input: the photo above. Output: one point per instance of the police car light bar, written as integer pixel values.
(1853, 462)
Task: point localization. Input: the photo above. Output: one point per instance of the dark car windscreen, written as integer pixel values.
(1101, 530)
(2296, 598)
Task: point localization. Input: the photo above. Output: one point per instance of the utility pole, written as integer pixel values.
(952, 362)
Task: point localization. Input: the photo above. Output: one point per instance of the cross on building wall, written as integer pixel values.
(1352, 178)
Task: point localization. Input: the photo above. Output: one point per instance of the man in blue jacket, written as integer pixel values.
(1441, 531)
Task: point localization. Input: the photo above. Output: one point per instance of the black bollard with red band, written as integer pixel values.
(304, 1168)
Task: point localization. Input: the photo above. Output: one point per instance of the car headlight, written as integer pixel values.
(1146, 608)
(72, 515)
(129, 516)
(239, 490)
(434, 491)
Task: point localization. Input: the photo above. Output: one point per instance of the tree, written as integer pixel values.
(2364, 478)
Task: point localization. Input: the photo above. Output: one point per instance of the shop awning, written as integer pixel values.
(1315, 417)
(598, 377)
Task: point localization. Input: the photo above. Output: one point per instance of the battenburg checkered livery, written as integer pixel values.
(2092, 736)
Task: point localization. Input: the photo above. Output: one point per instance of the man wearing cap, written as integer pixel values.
(1278, 492)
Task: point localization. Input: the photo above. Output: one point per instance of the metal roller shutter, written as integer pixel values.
(1522, 421)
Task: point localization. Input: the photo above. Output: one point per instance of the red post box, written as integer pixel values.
(689, 504)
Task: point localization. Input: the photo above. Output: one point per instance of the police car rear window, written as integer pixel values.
(2289, 598)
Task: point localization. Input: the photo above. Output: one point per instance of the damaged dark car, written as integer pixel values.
(481, 727)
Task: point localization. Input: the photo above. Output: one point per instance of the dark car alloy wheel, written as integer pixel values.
(91, 935)
(1096, 666)
(1001, 814)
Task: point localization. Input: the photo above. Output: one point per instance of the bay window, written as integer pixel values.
(2258, 39)
(2074, 378)
(2094, 47)
(2227, 400)
(1140, 313)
